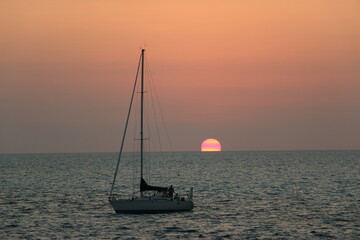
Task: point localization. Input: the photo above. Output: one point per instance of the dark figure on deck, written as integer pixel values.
(171, 191)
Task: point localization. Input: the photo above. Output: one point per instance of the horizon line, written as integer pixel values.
(197, 151)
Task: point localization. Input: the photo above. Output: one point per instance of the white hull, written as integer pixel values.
(149, 205)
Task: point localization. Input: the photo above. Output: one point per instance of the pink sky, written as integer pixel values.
(256, 75)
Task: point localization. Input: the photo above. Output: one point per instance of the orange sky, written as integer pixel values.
(256, 75)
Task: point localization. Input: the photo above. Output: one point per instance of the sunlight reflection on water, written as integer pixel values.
(239, 195)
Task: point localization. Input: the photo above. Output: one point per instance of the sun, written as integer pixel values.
(211, 145)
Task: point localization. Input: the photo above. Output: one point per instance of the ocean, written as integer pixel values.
(237, 195)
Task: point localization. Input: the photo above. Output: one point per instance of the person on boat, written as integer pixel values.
(171, 191)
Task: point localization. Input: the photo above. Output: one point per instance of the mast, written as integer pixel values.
(142, 113)
(125, 129)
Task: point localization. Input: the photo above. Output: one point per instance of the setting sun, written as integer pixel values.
(211, 145)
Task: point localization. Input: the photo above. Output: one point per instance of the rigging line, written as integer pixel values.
(125, 130)
(134, 153)
(162, 116)
(149, 119)
(154, 109)
(133, 157)
(145, 124)
(154, 113)
(155, 117)
(149, 142)
(136, 144)
(142, 115)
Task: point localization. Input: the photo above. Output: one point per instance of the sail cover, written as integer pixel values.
(145, 187)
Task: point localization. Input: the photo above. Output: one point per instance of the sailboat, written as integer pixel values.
(151, 199)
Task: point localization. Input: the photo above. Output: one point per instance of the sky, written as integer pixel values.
(254, 74)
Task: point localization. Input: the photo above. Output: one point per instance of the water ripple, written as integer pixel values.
(238, 195)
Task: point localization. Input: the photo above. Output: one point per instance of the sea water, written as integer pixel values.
(237, 195)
